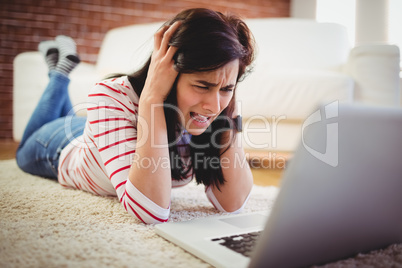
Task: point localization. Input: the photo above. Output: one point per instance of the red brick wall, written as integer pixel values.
(24, 23)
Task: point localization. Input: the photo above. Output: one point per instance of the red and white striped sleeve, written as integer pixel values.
(112, 115)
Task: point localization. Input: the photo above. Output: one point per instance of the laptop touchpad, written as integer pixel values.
(246, 221)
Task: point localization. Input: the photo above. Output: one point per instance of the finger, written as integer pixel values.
(171, 51)
(168, 35)
(158, 36)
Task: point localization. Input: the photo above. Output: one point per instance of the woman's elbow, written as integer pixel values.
(235, 207)
(149, 219)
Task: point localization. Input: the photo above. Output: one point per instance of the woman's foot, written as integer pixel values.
(50, 51)
(68, 57)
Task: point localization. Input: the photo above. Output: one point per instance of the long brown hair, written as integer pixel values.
(206, 40)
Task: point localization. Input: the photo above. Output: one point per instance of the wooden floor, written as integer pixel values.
(7, 149)
(266, 167)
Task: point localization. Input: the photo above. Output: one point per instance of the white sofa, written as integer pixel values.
(300, 63)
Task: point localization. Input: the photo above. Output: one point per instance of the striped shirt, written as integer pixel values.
(100, 159)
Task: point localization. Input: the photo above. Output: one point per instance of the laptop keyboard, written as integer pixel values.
(242, 244)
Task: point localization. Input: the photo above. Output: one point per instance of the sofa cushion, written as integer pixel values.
(265, 134)
(375, 69)
(289, 43)
(126, 49)
(279, 43)
(293, 94)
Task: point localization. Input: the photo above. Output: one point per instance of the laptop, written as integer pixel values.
(341, 194)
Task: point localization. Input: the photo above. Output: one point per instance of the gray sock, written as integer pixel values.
(68, 57)
(50, 51)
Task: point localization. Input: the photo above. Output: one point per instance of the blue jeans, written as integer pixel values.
(52, 126)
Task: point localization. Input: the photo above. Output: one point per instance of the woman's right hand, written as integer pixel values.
(161, 73)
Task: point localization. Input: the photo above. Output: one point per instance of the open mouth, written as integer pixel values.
(199, 118)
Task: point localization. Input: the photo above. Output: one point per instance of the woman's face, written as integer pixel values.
(202, 96)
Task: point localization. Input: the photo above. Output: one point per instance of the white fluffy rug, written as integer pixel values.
(45, 225)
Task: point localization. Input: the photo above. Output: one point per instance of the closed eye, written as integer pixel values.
(201, 87)
(227, 89)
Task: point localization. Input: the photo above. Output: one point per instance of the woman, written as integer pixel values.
(155, 129)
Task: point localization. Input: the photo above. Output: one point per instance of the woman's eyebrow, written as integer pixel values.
(206, 83)
(209, 84)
